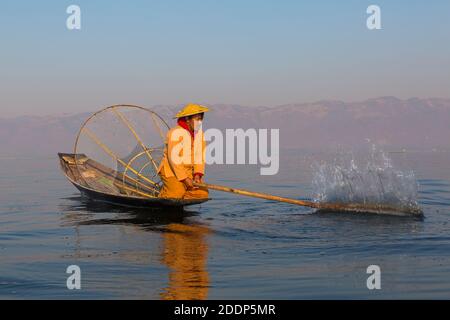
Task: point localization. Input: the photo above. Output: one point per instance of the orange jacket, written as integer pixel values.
(175, 162)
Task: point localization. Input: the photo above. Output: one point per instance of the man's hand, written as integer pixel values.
(198, 179)
(189, 183)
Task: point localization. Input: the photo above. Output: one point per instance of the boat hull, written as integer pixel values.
(115, 197)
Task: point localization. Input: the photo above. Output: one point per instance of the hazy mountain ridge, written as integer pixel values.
(387, 121)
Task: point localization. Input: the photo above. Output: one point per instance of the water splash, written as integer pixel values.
(372, 181)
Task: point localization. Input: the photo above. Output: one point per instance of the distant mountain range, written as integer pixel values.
(387, 121)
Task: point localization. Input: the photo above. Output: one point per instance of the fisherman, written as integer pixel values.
(184, 156)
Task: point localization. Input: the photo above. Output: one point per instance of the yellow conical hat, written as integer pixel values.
(191, 109)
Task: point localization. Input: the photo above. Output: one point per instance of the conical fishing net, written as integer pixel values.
(119, 149)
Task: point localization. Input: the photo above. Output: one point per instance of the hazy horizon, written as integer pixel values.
(97, 108)
(389, 122)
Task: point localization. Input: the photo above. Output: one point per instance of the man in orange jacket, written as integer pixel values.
(184, 156)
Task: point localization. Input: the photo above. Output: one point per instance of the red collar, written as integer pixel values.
(182, 123)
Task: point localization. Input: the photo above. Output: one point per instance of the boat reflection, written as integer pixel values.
(184, 249)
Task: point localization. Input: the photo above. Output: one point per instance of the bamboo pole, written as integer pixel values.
(257, 195)
(134, 190)
(137, 183)
(140, 171)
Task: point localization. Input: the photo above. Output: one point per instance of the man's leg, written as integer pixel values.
(199, 193)
(172, 188)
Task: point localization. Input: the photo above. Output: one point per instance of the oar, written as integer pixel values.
(257, 195)
(353, 207)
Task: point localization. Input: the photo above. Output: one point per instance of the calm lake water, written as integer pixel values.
(229, 248)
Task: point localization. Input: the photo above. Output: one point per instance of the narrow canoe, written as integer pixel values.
(105, 185)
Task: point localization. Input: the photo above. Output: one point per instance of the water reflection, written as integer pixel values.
(184, 249)
(185, 253)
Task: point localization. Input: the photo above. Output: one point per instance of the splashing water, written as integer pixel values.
(373, 181)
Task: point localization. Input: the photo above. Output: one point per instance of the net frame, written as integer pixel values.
(143, 185)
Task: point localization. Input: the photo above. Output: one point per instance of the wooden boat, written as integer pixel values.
(99, 182)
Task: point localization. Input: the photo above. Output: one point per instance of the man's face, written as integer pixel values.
(192, 120)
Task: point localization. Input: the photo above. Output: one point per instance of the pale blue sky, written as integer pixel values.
(247, 52)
